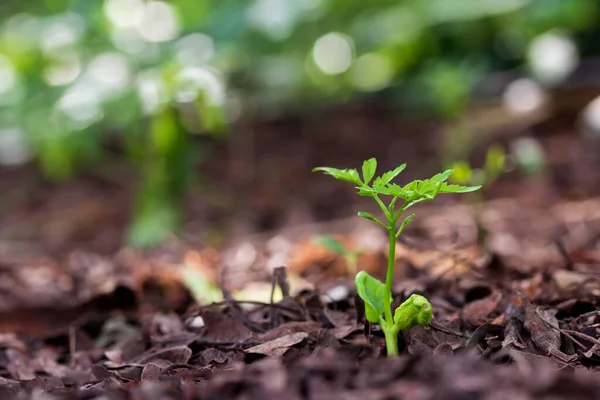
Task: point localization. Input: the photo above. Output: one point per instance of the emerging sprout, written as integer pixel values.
(350, 256)
(376, 295)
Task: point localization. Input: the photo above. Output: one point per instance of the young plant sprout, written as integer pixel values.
(351, 257)
(376, 295)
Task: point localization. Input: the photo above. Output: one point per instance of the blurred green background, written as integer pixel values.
(80, 76)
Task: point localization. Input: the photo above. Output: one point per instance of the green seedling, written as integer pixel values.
(376, 295)
(494, 167)
(201, 288)
(350, 256)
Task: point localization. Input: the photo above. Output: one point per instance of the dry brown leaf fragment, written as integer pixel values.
(543, 326)
(512, 327)
(477, 312)
(277, 347)
(289, 328)
(544, 337)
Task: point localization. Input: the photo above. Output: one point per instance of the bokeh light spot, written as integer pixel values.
(529, 154)
(81, 105)
(371, 72)
(64, 71)
(151, 91)
(591, 118)
(14, 150)
(333, 53)
(523, 96)
(159, 22)
(274, 18)
(62, 32)
(8, 77)
(552, 57)
(124, 13)
(110, 71)
(195, 49)
(193, 80)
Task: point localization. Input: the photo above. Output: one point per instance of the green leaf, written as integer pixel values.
(354, 174)
(447, 188)
(367, 191)
(428, 188)
(395, 190)
(388, 176)
(368, 170)
(348, 175)
(442, 176)
(410, 190)
(372, 314)
(332, 244)
(406, 221)
(372, 191)
(416, 310)
(372, 291)
(202, 289)
(368, 216)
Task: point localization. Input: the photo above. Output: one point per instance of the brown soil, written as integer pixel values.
(516, 293)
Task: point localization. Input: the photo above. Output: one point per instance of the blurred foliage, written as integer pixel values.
(495, 165)
(75, 74)
(334, 245)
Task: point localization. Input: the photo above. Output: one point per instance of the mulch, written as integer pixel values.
(515, 292)
(507, 324)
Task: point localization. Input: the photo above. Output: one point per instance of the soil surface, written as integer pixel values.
(513, 279)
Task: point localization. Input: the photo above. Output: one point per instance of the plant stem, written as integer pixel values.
(390, 274)
(391, 342)
(385, 210)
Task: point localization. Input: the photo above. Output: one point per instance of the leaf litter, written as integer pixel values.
(516, 317)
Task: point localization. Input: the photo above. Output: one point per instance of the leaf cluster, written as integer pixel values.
(416, 310)
(412, 193)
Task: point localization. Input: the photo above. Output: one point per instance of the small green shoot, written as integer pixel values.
(494, 167)
(376, 295)
(351, 257)
(202, 289)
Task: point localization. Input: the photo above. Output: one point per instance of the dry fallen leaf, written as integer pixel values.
(512, 326)
(277, 347)
(477, 312)
(543, 325)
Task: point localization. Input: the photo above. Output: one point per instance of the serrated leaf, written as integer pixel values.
(388, 176)
(447, 188)
(410, 189)
(331, 244)
(354, 174)
(395, 190)
(371, 191)
(366, 191)
(428, 188)
(348, 175)
(372, 291)
(442, 176)
(368, 169)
